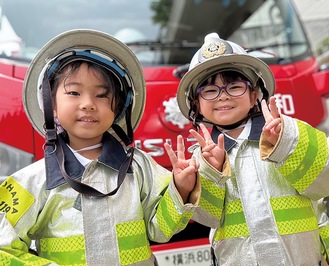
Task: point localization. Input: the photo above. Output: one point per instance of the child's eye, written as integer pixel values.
(103, 95)
(210, 90)
(74, 93)
(235, 87)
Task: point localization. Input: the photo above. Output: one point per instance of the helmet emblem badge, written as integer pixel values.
(213, 49)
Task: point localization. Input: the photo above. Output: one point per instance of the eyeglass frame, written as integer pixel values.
(223, 88)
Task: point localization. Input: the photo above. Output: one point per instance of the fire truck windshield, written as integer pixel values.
(160, 32)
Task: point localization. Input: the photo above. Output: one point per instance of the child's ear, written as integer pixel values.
(197, 107)
(255, 97)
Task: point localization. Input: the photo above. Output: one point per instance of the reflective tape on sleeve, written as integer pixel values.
(212, 197)
(168, 217)
(308, 159)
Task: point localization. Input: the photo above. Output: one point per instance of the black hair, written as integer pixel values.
(227, 76)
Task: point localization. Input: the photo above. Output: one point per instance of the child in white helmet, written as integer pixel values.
(261, 172)
(94, 199)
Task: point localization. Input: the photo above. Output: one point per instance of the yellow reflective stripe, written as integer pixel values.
(65, 251)
(24, 259)
(293, 214)
(234, 224)
(14, 200)
(5, 258)
(133, 243)
(309, 158)
(212, 197)
(324, 233)
(168, 218)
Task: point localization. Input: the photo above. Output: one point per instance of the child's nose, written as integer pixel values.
(87, 104)
(223, 94)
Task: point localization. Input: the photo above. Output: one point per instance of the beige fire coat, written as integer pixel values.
(261, 206)
(74, 229)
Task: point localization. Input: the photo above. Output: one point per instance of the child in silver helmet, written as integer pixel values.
(261, 172)
(94, 199)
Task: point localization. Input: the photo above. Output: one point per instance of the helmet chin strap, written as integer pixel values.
(128, 137)
(49, 125)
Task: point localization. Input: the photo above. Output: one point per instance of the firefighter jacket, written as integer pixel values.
(260, 207)
(74, 229)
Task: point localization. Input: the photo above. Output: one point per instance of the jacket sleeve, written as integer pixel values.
(19, 196)
(320, 209)
(165, 213)
(210, 208)
(301, 156)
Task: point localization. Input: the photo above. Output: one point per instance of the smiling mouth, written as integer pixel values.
(223, 108)
(86, 120)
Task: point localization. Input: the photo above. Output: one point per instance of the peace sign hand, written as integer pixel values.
(272, 127)
(184, 170)
(212, 152)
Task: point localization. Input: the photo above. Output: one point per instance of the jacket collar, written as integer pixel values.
(112, 155)
(257, 124)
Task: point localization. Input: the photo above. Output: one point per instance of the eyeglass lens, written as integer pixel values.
(234, 89)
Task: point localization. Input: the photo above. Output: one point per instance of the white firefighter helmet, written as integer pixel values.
(217, 55)
(93, 46)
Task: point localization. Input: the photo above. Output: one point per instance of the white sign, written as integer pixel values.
(197, 255)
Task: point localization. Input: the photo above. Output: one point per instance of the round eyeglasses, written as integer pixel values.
(233, 89)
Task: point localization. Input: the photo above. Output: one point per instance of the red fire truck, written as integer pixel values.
(164, 34)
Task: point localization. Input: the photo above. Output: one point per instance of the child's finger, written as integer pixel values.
(206, 134)
(171, 154)
(220, 141)
(274, 108)
(198, 137)
(273, 124)
(266, 112)
(180, 148)
(194, 163)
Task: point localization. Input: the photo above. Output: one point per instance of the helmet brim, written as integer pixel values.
(194, 77)
(84, 38)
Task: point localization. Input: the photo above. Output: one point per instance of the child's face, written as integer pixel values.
(225, 109)
(83, 108)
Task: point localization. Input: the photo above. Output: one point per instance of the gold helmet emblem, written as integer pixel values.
(213, 49)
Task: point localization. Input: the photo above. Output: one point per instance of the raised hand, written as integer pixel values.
(184, 170)
(272, 127)
(212, 152)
